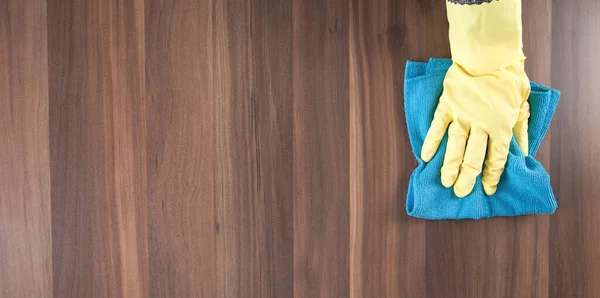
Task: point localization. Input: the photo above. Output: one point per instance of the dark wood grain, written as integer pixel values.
(155, 148)
(387, 247)
(575, 236)
(25, 227)
(321, 155)
(236, 142)
(252, 83)
(98, 148)
(181, 222)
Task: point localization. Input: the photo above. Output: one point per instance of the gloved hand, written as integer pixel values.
(485, 95)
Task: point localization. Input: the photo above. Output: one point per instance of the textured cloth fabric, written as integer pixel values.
(524, 187)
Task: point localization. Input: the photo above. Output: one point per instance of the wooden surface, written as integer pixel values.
(98, 148)
(575, 151)
(258, 149)
(25, 227)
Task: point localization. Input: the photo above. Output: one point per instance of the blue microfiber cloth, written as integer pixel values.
(524, 186)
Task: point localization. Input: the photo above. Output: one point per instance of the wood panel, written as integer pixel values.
(253, 117)
(387, 247)
(98, 148)
(238, 121)
(575, 236)
(25, 233)
(181, 221)
(321, 155)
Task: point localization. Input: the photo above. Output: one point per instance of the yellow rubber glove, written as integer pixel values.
(485, 95)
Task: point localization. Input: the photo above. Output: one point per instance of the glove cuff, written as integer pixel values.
(486, 36)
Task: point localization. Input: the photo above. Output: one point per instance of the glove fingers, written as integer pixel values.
(457, 140)
(520, 130)
(494, 163)
(435, 134)
(472, 162)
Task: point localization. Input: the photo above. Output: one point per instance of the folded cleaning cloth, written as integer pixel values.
(524, 186)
